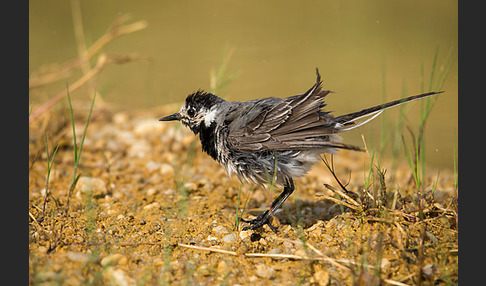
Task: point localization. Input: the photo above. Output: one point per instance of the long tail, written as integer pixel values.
(347, 121)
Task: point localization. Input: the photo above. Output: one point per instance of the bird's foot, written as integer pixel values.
(261, 220)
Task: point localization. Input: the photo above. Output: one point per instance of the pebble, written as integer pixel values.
(169, 192)
(428, 270)
(220, 230)
(223, 267)
(265, 272)
(385, 265)
(77, 256)
(230, 238)
(114, 259)
(151, 192)
(145, 127)
(120, 119)
(125, 137)
(432, 237)
(117, 277)
(158, 262)
(321, 277)
(152, 166)
(245, 234)
(166, 170)
(289, 246)
(139, 148)
(203, 270)
(275, 251)
(301, 252)
(91, 185)
(190, 186)
(151, 206)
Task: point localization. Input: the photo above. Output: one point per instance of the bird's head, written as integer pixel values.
(198, 111)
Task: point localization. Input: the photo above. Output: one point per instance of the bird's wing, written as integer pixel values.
(294, 123)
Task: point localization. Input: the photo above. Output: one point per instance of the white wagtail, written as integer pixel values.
(254, 138)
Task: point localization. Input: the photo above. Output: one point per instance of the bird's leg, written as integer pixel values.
(264, 218)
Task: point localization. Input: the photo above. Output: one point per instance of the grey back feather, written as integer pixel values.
(294, 123)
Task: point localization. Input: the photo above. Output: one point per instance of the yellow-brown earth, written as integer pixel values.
(150, 208)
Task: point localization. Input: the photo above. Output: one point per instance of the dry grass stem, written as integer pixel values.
(337, 201)
(99, 65)
(283, 256)
(208, 249)
(102, 60)
(64, 70)
(393, 282)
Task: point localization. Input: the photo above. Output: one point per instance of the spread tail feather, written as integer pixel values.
(347, 121)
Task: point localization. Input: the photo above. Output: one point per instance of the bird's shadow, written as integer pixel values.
(306, 213)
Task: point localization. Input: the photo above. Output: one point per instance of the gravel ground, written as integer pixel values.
(150, 208)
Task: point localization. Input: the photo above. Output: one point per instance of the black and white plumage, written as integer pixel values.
(251, 139)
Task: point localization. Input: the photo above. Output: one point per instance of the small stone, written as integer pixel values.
(265, 272)
(90, 185)
(432, 237)
(114, 259)
(117, 277)
(190, 186)
(158, 262)
(139, 148)
(166, 170)
(385, 265)
(145, 127)
(288, 246)
(223, 267)
(327, 237)
(203, 270)
(244, 234)
(169, 192)
(151, 206)
(428, 270)
(230, 238)
(120, 119)
(285, 229)
(152, 166)
(220, 230)
(301, 252)
(77, 256)
(275, 251)
(321, 277)
(151, 192)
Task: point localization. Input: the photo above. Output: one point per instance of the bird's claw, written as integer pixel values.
(261, 220)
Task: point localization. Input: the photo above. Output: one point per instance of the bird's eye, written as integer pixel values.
(191, 112)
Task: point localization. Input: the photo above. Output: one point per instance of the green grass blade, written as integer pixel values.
(75, 146)
(86, 128)
(432, 73)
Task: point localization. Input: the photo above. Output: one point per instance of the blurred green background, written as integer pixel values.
(367, 52)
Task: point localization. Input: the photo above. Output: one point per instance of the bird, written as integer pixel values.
(279, 138)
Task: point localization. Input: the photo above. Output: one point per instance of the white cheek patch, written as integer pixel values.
(210, 116)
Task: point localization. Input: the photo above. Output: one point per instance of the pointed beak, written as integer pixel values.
(175, 116)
